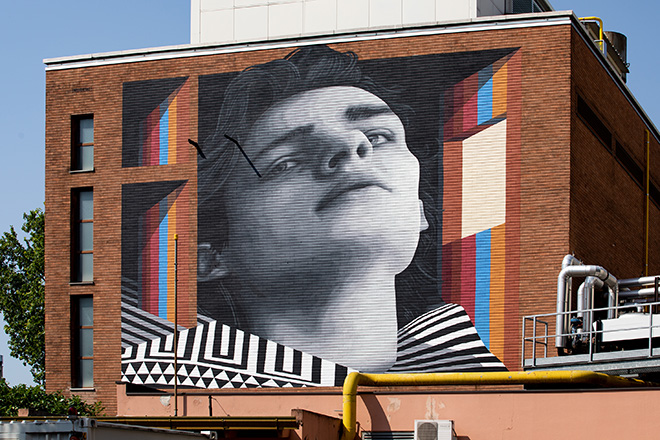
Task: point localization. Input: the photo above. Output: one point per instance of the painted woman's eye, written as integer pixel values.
(282, 167)
(377, 139)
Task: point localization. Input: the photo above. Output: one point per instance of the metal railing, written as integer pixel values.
(590, 338)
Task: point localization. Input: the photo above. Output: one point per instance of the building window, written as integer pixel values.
(83, 236)
(593, 121)
(83, 143)
(83, 341)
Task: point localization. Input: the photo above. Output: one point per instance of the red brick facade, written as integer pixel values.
(574, 197)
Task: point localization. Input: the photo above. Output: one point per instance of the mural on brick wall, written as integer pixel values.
(352, 215)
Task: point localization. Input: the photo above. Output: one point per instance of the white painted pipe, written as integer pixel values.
(641, 293)
(586, 299)
(563, 285)
(642, 281)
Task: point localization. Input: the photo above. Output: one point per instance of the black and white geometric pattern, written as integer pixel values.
(443, 339)
(214, 355)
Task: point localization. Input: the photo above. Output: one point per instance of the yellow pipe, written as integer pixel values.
(601, 42)
(568, 377)
(648, 196)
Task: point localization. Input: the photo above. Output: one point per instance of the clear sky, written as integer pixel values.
(38, 29)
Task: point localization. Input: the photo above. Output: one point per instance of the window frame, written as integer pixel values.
(77, 277)
(77, 146)
(76, 341)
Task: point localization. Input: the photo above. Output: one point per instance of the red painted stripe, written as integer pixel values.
(152, 264)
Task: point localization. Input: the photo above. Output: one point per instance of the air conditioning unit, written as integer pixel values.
(434, 430)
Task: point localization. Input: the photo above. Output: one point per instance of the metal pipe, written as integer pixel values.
(648, 197)
(612, 300)
(641, 293)
(568, 377)
(563, 282)
(642, 281)
(601, 41)
(568, 260)
(176, 326)
(586, 299)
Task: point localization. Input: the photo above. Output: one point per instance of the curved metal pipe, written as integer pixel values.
(601, 41)
(568, 260)
(563, 285)
(586, 299)
(568, 377)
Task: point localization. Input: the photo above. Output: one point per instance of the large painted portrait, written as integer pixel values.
(351, 215)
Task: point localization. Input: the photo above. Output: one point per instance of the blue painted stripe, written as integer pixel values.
(485, 101)
(164, 135)
(162, 261)
(482, 287)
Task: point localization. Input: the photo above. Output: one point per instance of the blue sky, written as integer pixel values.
(34, 30)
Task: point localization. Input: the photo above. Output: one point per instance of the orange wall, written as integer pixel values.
(506, 414)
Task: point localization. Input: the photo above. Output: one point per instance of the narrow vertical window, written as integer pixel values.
(83, 143)
(83, 342)
(83, 236)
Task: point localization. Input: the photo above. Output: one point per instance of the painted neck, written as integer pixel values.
(352, 323)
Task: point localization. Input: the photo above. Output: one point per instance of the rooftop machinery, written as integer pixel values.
(608, 325)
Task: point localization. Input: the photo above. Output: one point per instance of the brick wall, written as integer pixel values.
(565, 177)
(607, 205)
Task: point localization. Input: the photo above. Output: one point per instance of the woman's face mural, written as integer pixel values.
(328, 225)
(338, 196)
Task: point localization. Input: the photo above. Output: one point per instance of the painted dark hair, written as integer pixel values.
(251, 93)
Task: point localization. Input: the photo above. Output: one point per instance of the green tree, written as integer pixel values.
(40, 402)
(22, 292)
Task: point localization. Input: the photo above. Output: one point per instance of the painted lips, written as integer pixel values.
(336, 194)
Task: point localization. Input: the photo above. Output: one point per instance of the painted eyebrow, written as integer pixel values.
(286, 138)
(361, 112)
(354, 113)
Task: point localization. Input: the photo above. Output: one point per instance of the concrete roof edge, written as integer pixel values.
(173, 51)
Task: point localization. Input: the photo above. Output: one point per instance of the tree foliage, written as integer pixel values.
(40, 402)
(22, 292)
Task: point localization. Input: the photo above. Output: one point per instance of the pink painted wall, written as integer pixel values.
(508, 414)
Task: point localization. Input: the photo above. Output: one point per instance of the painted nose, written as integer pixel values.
(356, 150)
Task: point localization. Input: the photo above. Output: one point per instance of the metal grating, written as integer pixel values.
(388, 435)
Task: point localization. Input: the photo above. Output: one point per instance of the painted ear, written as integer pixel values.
(210, 264)
(423, 223)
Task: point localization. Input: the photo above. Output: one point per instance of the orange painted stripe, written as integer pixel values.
(500, 91)
(497, 286)
(452, 193)
(184, 150)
